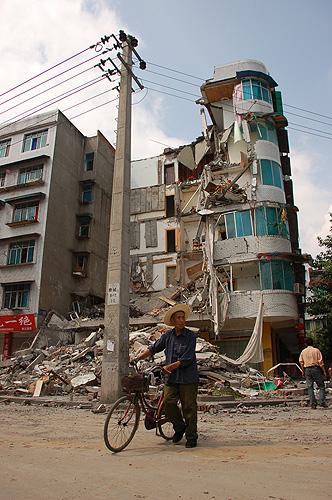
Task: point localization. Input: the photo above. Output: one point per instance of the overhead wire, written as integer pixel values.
(45, 71)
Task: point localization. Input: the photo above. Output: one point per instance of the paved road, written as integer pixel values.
(272, 453)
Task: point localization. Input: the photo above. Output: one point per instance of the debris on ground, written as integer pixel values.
(66, 358)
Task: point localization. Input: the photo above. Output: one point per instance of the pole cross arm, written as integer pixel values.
(130, 71)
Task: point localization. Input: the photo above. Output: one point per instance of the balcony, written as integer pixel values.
(279, 305)
(245, 249)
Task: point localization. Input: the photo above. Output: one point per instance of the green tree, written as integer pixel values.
(320, 303)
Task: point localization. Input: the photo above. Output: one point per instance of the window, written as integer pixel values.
(256, 89)
(264, 132)
(170, 206)
(238, 224)
(16, 295)
(2, 178)
(170, 240)
(269, 221)
(276, 275)
(26, 211)
(4, 148)
(21, 252)
(29, 174)
(271, 173)
(87, 193)
(89, 157)
(80, 265)
(170, 275)
(35, 141)
(169, 174)
(84, 228)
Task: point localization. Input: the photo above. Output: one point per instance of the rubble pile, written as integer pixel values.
(217, 373)
(55, 370)
(75, 368)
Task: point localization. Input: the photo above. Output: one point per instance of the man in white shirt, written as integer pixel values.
(313, 369)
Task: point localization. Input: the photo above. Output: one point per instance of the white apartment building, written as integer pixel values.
(55, 197)
(224, 205)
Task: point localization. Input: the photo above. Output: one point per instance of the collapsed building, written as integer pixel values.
(213, 223)
(218, 217)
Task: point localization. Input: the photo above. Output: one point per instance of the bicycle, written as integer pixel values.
(123, 418)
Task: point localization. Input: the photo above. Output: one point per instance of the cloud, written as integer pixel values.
(313, 200)
(51, 32)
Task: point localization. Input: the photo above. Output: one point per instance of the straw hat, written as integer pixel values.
(179, 307)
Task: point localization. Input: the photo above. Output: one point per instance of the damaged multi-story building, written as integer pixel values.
(219, 215)
(55, 199)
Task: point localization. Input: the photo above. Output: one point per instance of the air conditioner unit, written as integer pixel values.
(299, 288)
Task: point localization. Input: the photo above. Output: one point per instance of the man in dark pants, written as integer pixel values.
(181, 374)
(313, 369)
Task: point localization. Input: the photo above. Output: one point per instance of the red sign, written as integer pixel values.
(17, 323)
(7, 345)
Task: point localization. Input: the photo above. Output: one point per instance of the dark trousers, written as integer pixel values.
(187, 395)
(314, 374)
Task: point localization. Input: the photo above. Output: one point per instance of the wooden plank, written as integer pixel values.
(167, 300)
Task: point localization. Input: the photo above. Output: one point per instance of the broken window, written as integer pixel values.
(89, 157)
(151, 237)
(35, 140)
(4, 148)
(169, 174)
(27, 174)
(16, 295)
(80, 264)
(238, 224)
(263, 131)
(170, 206)
(84, 228)
(271, 173)
(170, 240)
(21, 252)
(269, 222)
(26, 211)
(2, 178)
(256, 90)
(276, 275)
(170, 275)
(87, 192)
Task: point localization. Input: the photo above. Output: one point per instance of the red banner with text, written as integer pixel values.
(17, 323)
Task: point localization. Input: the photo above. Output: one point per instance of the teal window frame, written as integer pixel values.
(276, 275)
(16, 295)
(256, 90)
(89, 160)
(265, 132)
(27, 174)
(271, 173)
(21, 252)
(84, 228)
(238, 224)
(26, 211)
(5, 147)
(36, 140)
(268, 222)
(87, 192)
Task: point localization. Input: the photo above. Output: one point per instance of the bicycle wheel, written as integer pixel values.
(165, 427)
(121, 423)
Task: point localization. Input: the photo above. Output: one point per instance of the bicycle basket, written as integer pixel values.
(134, 383)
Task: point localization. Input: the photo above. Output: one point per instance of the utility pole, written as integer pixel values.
(116, 332)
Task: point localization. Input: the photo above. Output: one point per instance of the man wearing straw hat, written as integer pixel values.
(181, 374)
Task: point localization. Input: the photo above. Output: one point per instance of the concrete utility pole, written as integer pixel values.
(116, 332)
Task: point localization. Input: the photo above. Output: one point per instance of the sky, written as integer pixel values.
(181, 42)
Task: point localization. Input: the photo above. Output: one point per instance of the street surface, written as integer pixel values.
(282, 453)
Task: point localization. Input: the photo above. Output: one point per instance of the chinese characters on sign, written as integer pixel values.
(113, 294)
(17, 323)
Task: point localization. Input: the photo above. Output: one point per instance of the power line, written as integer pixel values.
(43, 72)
